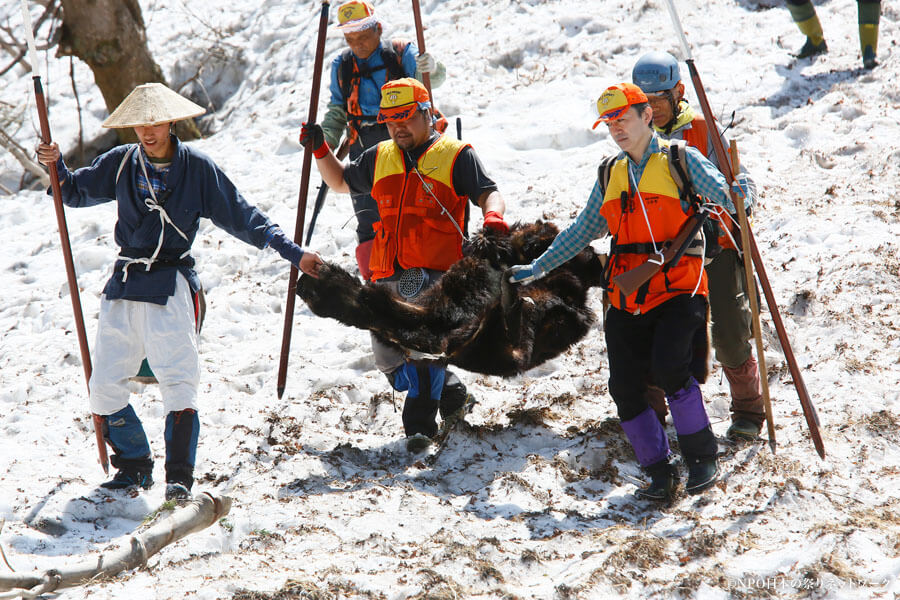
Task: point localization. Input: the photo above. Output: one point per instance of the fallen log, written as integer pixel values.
(204, 510)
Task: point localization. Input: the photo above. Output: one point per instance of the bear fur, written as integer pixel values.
(472, 317)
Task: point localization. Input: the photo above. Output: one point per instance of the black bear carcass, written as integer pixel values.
(472, 317)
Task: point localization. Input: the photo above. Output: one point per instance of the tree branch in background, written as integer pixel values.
(22, 155)
(78, 105)
(18, 49)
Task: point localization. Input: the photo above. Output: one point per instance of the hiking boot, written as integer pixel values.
(417, 443)
(743, 429)
(131, 475)
(810, 49)
(177, 492)
(869, 61)
(663, 481)
(702, 474)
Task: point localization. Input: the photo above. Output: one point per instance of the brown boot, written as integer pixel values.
(747, 410)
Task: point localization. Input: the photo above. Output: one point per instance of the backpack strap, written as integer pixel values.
(677, 152)
(603, 172)
(345, 73)
(392, 56)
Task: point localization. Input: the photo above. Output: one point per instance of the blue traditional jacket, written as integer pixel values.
(194, 187)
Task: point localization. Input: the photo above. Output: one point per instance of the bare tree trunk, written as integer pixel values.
(110, 37)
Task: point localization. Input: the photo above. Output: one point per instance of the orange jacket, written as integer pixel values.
(414, 230)
(628, 226)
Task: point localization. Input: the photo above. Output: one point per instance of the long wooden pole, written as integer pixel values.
(301, 208)
(420, 40)
(74, 293)
(750, 290)
(809, 410)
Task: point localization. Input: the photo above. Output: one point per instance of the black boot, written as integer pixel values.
(133, 472)
(131, 451)
(810, 48)
(699, 451)
(455, 399)
(182, 429)
(663, 481)
(703, 472)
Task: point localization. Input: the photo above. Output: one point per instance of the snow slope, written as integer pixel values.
(533, 498)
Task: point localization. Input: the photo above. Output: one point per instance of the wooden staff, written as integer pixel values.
(74, 294)
(809, 410)
(304, 192)
(750, 290)
(420, 40)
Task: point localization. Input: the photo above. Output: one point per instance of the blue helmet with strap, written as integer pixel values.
(656, 72)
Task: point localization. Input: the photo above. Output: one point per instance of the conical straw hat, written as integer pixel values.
(152, 104)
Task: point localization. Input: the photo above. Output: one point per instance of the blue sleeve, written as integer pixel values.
(336, 96)
(228, 209)
(707, 180)
(409, 60)
(91, 185)
(588, 226)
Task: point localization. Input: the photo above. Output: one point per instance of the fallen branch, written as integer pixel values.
(203, 511)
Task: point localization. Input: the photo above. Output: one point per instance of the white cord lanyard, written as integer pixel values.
(153, 205)
(656, 251)
(427, 188)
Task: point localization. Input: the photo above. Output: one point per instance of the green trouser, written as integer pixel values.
(729, 308)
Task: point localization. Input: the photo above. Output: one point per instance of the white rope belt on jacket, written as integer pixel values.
(153, 205)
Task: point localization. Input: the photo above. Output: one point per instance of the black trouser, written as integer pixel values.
(657, 346)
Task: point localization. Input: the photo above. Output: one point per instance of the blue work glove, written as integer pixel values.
(739, 190)
(524, 274)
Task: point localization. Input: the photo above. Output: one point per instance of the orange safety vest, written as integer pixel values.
(628, 227)
(414, 230)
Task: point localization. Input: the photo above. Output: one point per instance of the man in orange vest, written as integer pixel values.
(650, 332)
(423, 183)
(658, 75)
(357, 75)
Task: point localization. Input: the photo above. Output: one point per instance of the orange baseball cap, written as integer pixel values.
(616, 99)
(355, 16)
(401, 98)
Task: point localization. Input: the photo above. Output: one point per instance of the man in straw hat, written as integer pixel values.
(162, 188)
(649, 333)
(423, 182)
(357, 75)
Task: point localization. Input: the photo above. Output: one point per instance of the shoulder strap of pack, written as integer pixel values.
(392, 56)
(603, 172)
(345, 73)
(678, 168)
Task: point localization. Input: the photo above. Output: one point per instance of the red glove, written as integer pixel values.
(495, 221)
(312, 136)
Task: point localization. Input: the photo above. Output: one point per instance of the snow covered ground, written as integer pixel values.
(533, 499)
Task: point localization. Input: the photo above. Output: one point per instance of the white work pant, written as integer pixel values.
(165, 334)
